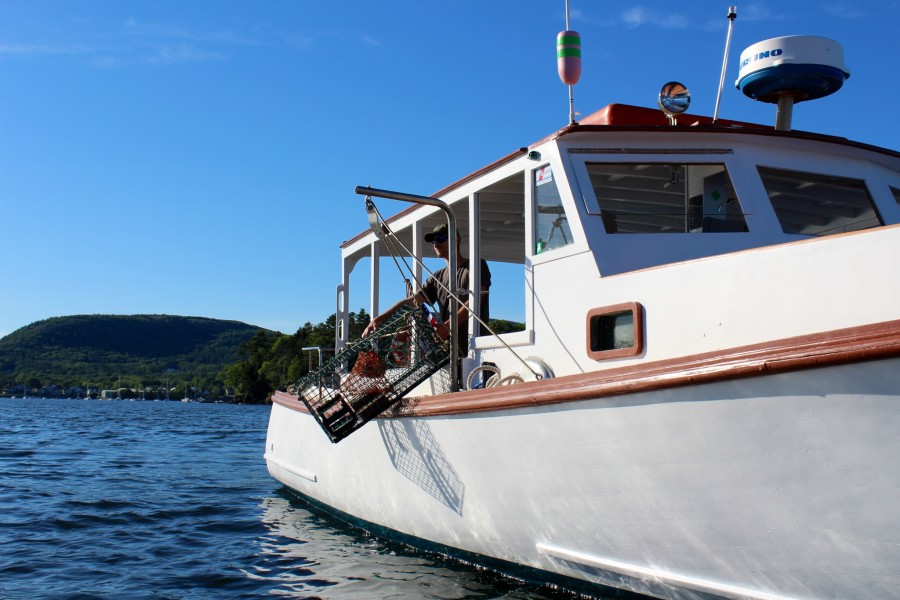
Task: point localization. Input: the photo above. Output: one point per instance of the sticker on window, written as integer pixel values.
(543, 175)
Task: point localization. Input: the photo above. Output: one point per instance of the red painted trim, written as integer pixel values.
(628, 115)
(289, 401)
(842, 346)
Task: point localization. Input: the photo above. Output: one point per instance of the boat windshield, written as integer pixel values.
(816, 204)
(666, 198)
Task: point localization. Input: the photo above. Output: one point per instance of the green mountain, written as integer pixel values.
(110, 351)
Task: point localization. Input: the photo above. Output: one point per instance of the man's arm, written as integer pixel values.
(414, 300)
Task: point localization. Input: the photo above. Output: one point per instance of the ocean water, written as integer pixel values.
(116, 499)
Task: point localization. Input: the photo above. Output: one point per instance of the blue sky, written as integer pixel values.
(199, 158)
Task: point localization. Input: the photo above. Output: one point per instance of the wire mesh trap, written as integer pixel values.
(373, 373)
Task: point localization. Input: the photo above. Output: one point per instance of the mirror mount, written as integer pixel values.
(674, 99)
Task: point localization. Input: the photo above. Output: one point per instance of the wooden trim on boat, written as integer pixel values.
(289, 401)
(842, 346)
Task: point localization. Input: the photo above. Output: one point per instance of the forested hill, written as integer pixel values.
(118, 350)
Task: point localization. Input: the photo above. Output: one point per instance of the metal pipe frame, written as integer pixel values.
(452, 249)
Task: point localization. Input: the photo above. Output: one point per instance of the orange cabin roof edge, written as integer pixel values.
(639, 116)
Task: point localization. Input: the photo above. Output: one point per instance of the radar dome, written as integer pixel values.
(801, 67)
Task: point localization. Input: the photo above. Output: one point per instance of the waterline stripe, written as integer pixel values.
(654, 574)
(290, 468)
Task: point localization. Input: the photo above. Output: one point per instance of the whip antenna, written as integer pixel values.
(732, 15)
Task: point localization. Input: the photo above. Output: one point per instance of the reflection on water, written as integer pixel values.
(416, 454)
(312, 555)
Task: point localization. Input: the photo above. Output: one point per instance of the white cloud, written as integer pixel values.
(635, 16)
(299, 41)
(844, 10)
(758, 12)
(638, 16)
(135, 42)
(171, 54)
(44, 49)
(370, 41)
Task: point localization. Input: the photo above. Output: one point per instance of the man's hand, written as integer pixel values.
(370, 328)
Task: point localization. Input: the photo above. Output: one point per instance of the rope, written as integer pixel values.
(482, 368)
(494, 380)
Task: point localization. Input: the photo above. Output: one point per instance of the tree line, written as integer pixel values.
(163, 356)
(270, 360)
(146, 354)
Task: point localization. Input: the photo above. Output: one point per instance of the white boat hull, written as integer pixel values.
(774, 486)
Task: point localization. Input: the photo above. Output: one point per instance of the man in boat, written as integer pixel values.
(432, 292)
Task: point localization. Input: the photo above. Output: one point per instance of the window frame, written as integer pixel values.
(535, 212)
(637, 316)
(581, 157)
(863, 179)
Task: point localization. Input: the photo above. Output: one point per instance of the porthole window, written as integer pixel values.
(615, 331)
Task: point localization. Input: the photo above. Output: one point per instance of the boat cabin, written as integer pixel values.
(637, 240)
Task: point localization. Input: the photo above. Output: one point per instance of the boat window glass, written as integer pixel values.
(896, 194)
(615, 331)
(816, 204)
(551, 228)
(666, 198)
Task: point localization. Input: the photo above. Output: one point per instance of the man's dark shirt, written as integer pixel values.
(437, 294)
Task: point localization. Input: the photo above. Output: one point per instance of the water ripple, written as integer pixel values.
(103, 500)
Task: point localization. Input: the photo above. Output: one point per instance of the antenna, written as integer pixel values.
(568, 60)
(732, 15)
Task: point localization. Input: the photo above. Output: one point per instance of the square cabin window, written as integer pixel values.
(666, 198)
(896, 194)
(615, 331)
(818, 205)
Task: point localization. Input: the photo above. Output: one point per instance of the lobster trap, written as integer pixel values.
(373, 373)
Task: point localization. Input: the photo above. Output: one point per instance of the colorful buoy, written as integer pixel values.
(568, 56)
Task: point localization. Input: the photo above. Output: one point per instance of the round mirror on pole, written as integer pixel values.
(674, 99)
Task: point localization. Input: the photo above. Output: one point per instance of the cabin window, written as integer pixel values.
(815, 204)
(615, 331)
(551, 228)
(896, 194)
(666, 198)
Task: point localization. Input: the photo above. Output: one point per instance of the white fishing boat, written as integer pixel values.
(711, 359)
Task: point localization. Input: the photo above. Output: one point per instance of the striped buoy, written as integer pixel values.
(568, 56)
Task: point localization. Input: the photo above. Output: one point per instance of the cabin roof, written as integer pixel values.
(625, 117)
